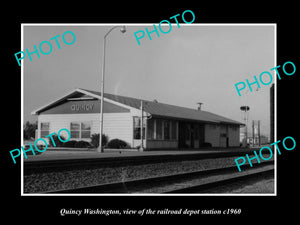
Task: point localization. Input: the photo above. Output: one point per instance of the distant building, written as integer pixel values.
(255, 141)
(165, 126)
(250, 141)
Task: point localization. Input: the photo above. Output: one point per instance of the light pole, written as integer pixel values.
(245, 109)
(123, 30)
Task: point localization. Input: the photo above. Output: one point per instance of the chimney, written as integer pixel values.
(199, 105)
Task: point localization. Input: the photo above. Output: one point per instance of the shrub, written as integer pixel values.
(82, 144)
(95, 140)
(27, 146)
(57, 142)
(206, 144)
(70, 144)
(117, 143)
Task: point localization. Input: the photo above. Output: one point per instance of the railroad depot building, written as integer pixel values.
(164, 126)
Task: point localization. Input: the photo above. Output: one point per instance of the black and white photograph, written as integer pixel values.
(144, 111)
(172, 120)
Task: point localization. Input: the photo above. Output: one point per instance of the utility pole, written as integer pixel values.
(142, 126)
(123, 30)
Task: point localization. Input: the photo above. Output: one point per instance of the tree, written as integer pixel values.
(29, 130)
(95, 140)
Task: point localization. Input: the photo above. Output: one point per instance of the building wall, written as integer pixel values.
(223, 135)
(212, 134)
(156, 144)
(116, 125)
(119, 122)
(120, 125)
(217, 135)
(234, 135)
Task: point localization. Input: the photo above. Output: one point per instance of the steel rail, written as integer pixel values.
(138, 185)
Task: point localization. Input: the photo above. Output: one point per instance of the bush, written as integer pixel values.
(95, 140)
(70, 144)
(57, 142)
(206, 144)
(27, 146)
(117, 143)
(82, 144)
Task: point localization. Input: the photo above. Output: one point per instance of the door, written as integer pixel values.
(192, 135)
(181, 135)
(201, 135)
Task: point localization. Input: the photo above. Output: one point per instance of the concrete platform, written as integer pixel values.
(64, 154)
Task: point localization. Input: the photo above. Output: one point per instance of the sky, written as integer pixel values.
(190, 64)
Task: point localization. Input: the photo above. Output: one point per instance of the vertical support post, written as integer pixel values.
(253, 134)
(258, 131)
(246, 130)
(142, 125)
(145, 131)
(100, 148)
(123, 30)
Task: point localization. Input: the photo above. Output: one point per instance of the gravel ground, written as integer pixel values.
(262, 186)
(42, 182)
(249, 186)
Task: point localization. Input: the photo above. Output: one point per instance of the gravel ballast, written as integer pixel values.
(52, 181)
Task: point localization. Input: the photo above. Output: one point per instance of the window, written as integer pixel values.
(80, 129)
(174, 130)
(137, 128)
(159, 129)
(166, 130)
(150, 129)
(75, 130)
(85, 130)
(45, 128)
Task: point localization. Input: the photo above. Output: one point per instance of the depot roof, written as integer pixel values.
(154, 108)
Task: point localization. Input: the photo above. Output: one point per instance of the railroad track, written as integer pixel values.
(43, 166)
(190, 182)
(205, 187)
